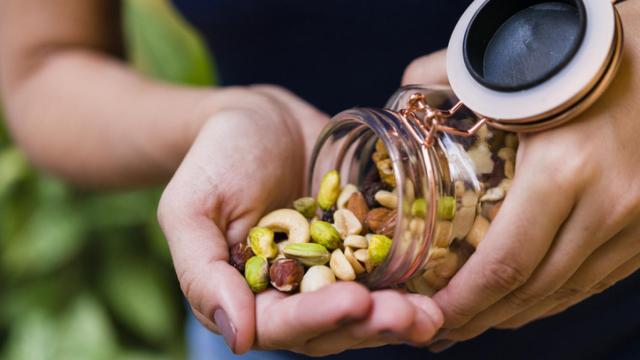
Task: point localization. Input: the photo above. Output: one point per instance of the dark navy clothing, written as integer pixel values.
(333, 53)
(341, 53)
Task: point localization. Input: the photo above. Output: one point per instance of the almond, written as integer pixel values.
(376, 218)
(357, 204)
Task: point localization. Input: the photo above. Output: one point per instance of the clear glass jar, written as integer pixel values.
(448, 186)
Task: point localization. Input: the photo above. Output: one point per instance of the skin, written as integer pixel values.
(231, 155)
(581, 180)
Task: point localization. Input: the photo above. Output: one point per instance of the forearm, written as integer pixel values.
(91, 119)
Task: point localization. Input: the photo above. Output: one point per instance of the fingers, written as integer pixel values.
(216, 290)
(429, 69)
(512, 248)
(411, 319)
(623, 272)
(577, 239)
(599, 272)
(286, 322)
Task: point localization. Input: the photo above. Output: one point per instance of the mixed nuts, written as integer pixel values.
(346, 232)
(347, 240)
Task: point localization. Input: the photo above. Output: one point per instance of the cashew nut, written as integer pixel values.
(289, 221)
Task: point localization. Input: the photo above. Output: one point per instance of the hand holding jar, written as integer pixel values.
(569, 227)
(259, 149)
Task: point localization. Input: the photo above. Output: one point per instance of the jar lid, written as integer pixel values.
(530, 64)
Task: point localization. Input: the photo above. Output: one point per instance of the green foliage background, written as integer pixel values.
(87, 275)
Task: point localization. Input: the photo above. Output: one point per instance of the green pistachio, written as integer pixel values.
(329, 190)
(256, 272)
(419, 208)
(379, 246)
(446, 207)
(325, 234)
(306, 206)
(261, 241)
(309, 254)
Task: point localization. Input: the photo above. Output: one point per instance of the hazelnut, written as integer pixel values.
(286, 274)
(239, 254)
(376, 218)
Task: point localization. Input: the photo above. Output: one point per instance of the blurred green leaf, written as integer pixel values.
(4, 136)
(86, 332)
(51, 237)
(163, 45)
(156, 239)
(138, 355)
(47, 293)
(109, 210)
(13, 167)
(140, 297)
(33, 337)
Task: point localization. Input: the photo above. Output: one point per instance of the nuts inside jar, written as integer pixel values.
(346, 232)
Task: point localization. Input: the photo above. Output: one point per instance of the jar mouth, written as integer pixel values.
(349, 140)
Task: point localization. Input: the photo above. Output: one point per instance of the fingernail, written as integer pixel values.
(227, 329)
(440, 346)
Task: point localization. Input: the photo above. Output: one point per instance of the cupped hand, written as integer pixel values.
(570, 225)
(250, 157)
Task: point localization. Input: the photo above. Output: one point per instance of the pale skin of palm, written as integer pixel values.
(232, 154)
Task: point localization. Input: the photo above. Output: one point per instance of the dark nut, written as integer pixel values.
(357, 204)
(369, 191)
(388, 227)
(376, 218)
(286, 274)
(239, 254)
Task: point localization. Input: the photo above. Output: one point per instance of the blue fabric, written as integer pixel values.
(341, 53)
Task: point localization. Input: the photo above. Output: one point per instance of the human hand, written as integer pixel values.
(249, 159)
(570, 225)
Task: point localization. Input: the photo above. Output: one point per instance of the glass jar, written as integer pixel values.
(448, 170)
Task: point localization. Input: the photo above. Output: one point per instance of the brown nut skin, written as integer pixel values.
(357, 204)
(388, 227)
(376, 218)
(239, 254)
(286, 274)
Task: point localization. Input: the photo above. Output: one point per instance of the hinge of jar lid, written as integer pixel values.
(435, 120)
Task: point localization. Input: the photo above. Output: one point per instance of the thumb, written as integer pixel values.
(216, 291)
(428, 69)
